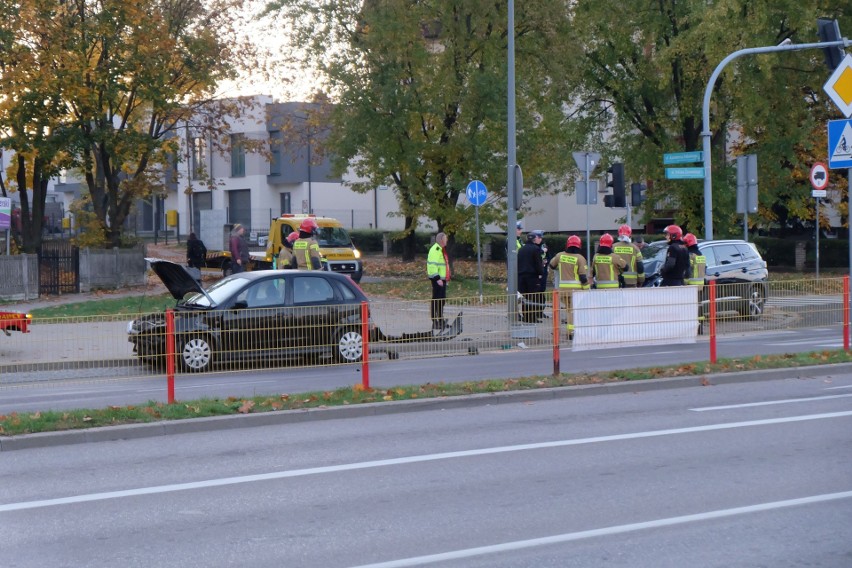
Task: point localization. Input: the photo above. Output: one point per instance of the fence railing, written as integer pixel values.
(135, 345)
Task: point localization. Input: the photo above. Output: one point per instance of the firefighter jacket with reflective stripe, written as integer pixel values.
(634, 271)
(572, 270)
(606, 267)
(697, 269)
(306, 254)
(436, 263)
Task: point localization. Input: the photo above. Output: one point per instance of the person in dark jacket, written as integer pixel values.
(196, 252)
(676, 266)
(239, 249)
(530, 271)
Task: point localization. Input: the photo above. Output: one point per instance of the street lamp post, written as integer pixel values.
(705, 132)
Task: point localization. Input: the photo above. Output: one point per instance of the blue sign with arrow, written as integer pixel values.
(477, 193)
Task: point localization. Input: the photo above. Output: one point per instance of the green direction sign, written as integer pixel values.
(683, 158)
(685, 173)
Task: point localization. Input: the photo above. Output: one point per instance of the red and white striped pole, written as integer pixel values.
(365, 351)
(712, 321)
(170, 354)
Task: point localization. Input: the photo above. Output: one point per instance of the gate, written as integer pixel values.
(58, 268)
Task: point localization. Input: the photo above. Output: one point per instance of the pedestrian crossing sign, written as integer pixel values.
(839, 144)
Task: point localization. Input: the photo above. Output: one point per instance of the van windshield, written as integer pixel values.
(333, 237)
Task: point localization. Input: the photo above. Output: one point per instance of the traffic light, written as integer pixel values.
(617, 185)
(608, 200)
(829, 30)
(636, 195)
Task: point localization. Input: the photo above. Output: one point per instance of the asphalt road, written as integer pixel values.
(749, 474)
(95, 388)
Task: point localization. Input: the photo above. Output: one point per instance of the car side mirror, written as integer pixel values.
(241, 305)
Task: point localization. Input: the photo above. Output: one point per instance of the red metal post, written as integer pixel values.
(556, 318)
(365, 337)
(712, 321)
(170, 354)
(846, 313)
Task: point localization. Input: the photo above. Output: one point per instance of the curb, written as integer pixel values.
(272, 418)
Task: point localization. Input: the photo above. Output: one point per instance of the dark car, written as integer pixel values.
(735, 265)
(261, 315)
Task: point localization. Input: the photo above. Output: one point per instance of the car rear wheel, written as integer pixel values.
(754, 303)
(349, 347)
(227, 269)
(195, 353)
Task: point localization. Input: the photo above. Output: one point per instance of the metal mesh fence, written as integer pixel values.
(134, 345)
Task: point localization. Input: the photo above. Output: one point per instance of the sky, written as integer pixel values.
(286, 83)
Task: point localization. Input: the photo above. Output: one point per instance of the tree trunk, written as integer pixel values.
(409, 242)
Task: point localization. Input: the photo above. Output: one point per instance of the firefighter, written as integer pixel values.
(573, 270)
(634, 273)
(697, 270)
(676, 265)
(285, 256)
(697, 261)
(606, 267)
(306, 253)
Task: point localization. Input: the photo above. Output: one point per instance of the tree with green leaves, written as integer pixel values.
(644, 70)
(120, 80)
(419, 98)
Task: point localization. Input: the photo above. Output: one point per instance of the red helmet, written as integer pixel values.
(674, 231)
(573, 241)
(292, 236)
(625, 231)
(309, 225)
(606, 240)
(690, 240)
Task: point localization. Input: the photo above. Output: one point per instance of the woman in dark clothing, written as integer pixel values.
(196, 252)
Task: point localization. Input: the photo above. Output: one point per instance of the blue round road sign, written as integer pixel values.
(476, 193)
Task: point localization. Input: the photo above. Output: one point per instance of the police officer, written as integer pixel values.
(676, 265)
(606, 267)
(634, 273)
(572, 268)
(438, 271)
(530, 270)
(306, 253)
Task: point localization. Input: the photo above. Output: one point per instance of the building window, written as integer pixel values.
(239, 207)
(275, 153)
(285, 202)
(238, 155)
(199, 157)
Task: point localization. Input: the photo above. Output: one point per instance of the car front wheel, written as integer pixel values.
(195, 354)
(349, 347)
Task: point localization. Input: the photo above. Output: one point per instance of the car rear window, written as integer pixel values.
(726, 254)
(748, 252)
(309, 289)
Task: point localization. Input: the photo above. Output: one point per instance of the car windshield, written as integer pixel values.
(333, 237)
(219, 292)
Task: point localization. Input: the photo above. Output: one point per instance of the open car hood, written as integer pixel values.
(177, 278)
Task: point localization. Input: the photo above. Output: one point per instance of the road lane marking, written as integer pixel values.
(642, 354)
(837, 388)
(406, 460)
(606, 531)
(769, 402)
